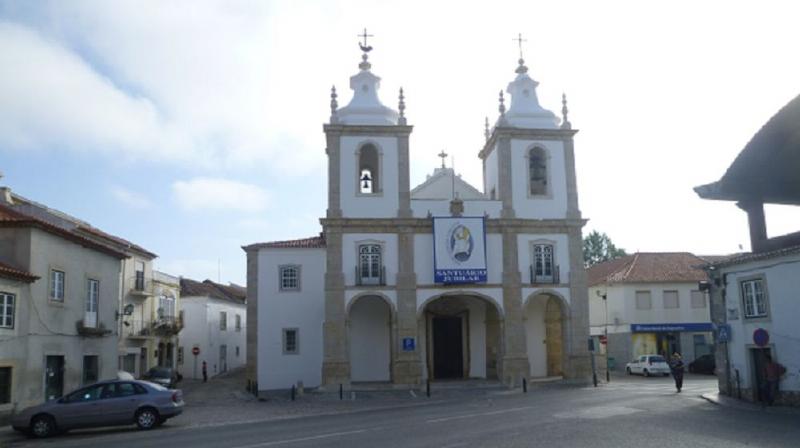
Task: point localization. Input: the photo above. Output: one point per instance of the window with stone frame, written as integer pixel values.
(7, 307)
(291, 341)
(238, 322)
(537, 171)
(643, 300)
(754, 298)
(544, 269)
(370, 264)
(369, 181)
(57, 285)
(223, 321)
(671, 300)
(289, 278)
(698, 299)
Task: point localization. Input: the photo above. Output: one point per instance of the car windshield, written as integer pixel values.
(657, 359)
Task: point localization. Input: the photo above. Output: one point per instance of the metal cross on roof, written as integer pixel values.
(364, 47)
(443, 155)
(519, 40)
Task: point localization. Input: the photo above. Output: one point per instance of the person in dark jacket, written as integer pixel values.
(677, 370)
(205, 372)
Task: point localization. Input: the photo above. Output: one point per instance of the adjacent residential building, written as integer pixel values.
(650, 303)
(214, 318)
(755, 302)
(59, 293)
(442, 281)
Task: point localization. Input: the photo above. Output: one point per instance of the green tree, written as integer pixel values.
(597, 247)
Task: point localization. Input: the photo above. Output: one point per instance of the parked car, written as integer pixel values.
(164, 376)
(648, 365)
(107, 403)
(703, 364)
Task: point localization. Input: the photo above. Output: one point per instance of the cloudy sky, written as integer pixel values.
(194, 127)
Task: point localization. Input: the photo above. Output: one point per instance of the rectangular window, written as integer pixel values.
(57, 285)
(7, 305)
(671, 300)
(543, 269)
(139, 268)
(180, 355)
(91, 369)
(92, 299)
(238, 322)
(370, 266)
(223, 320)
(698, 299)
(643, 300)
(289, 278)
(755, 301)
(5, 385)
(291, 343)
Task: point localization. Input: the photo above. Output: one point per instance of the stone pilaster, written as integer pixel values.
(404, 184)
(504, 177)
(719, 317)
(514, 359)
(573, 212)
(406, 365)
(251, 335)
(336, 362)
(333, 137)
(577, 362)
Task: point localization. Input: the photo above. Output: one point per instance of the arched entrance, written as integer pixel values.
(545, 327)
(460, 337)
(369, 332)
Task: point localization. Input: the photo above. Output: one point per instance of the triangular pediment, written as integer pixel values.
(445, 184)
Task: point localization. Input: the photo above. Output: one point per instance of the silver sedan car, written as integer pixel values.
(107, 403)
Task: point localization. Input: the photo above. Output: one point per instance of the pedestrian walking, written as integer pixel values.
(772, 375)
(205, 372)
(677, 370)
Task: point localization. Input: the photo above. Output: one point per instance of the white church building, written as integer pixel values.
(442, 281)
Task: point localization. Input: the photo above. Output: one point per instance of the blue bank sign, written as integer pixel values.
(664, 328)
(459, 250)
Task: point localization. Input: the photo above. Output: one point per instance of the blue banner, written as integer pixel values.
(662, 328)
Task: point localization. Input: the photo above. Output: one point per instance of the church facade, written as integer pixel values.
(443, 281)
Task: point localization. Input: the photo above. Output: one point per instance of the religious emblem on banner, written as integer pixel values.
(460, 243)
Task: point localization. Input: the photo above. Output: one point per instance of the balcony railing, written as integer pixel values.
(136, 328)
(540, 279)
(92, 331)
(167, 325)
(362, 280)
(140, 286)
(163, 326)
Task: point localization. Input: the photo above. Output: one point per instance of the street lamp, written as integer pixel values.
(605, 330)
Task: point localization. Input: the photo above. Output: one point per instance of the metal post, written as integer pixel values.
(594, 364)
(293, 391)
(524, 385)
(341, 391)
(428, 388)
(605, 328)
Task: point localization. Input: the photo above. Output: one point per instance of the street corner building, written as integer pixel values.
(442, 281)
(754, 303)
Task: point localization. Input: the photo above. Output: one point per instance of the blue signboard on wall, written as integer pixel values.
(409, 344)
(664, 328)
(459, 250)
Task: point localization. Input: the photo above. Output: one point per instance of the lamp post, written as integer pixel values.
(605, 330)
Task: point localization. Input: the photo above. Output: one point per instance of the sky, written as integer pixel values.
(195, 127)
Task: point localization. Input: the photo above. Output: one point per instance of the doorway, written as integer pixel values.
(223, 358)
(54, 377)
(448, 347)
(759, 363)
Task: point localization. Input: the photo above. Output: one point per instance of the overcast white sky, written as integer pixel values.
(193, 127)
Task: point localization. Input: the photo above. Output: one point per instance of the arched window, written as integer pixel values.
(368, 170)
(537, 171)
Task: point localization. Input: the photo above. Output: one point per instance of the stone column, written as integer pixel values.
(514, 361)
(404, 185)
(251, 321)
(336, 362)
(573, 212)
(504, 177)
(578, 362)
(406, 365)
(332, 137)
(719, 317)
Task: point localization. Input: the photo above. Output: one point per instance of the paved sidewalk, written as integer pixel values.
(726, 401)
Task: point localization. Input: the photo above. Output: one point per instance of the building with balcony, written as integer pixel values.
(754, 301)
(442, 281)
(215, 317)
(59, 296)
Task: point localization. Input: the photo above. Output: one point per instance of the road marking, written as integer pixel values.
(304, 439)
(457, 417)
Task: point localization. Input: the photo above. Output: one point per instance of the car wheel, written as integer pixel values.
(628, 369)
(42, 426)
(646, 373)
(147, 418)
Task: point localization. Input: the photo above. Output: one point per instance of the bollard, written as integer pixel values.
(293, 391)
(524, 386)
(428, 388)
(341, 392)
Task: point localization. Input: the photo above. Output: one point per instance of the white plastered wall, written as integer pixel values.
(369, 332)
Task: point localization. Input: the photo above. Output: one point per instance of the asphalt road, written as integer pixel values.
(629, 412)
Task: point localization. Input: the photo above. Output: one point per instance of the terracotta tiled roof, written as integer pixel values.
(315, 242)
(754, 256)
(122, 242)
(207, 288)
(649, 267)
(13, 273)
(12, 218)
